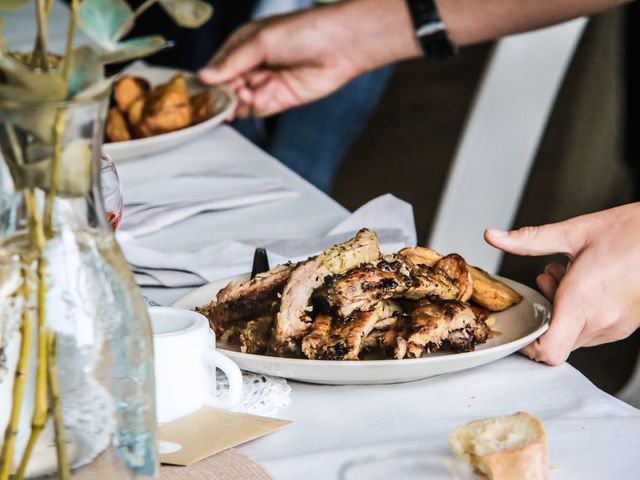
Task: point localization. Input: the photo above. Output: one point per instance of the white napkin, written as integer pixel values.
(154, 205)
(390, 217)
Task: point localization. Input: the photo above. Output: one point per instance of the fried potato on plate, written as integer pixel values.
(167, 107)
(201, 106)
(116, 129)
(128, 89)
(134, 114)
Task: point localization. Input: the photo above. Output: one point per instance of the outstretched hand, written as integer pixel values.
(596, 299)
(284, 61)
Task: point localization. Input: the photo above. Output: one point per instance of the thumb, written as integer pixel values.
(234, 59)
(543, 240)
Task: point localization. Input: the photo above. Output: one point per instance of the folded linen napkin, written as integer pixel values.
(390, 217)
(154, 205)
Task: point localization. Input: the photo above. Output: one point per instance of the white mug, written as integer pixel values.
(185, 364)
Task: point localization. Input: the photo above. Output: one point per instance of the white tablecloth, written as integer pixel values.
(591, 434)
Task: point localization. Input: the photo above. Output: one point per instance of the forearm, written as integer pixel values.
(474, 21)
(381, 31)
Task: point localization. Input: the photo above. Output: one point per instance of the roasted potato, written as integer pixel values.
(421, 255)
(128, 89)
(491, 293)
(487, 291)
(167, 107)
(457, 270)
(116, 128)
(134, 114)
(201, 106)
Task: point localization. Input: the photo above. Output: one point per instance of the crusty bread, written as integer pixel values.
(504, 448)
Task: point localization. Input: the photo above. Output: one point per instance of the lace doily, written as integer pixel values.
(261, 394)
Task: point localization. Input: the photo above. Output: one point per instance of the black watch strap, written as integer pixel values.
(430, 30)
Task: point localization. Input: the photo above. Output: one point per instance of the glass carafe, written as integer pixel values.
(76, 359)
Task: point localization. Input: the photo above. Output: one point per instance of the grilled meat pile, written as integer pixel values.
(351, 299)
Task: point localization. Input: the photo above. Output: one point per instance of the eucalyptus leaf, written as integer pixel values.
(105, 21)
(12, 4)
(95, 90)
(188, 13)
(37, 86)
(134, 48)
(86, 69)
(37, 120)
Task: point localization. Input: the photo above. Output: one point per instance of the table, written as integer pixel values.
(591, 434)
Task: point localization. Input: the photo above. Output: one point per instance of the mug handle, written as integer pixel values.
(234, 375)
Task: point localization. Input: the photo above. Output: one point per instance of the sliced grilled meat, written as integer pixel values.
(293, 319)
(335, 338)
(256, 335)
(389, 336)
(238, 303)
(436, 323)
(391, 277)
(366, 285)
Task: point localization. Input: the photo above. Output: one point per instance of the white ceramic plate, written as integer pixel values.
(224, 103)
(519, 325)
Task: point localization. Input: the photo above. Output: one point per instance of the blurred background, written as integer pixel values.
(397, 130)
(588, 158)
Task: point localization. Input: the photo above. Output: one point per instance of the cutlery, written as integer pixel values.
(260, 262)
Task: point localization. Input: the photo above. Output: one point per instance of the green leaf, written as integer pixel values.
(134, 48)
(36, 86)
(85, 70)
(12, 4)
(188, 13)
(37, 120)
(95, 90)
(105, 21)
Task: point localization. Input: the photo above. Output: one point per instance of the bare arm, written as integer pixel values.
(473, 21)
(284, 61)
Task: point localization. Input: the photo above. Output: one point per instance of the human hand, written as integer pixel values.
(288, 60)
(596, 299)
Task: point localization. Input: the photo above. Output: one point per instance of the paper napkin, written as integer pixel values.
(208, 431)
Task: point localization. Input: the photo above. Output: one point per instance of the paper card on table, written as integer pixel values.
(209, 431)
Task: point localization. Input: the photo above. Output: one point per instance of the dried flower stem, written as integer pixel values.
(71, 26)
(40, 52)
(6, 457)
(130, 21)
(64, 472)
(58, 130)
(40, 410)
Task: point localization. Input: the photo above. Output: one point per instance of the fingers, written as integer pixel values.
(548, 285)
(273, 96)
(568, 320)
(544, 240)
(550, 280)
(242, 53)
(556, 270)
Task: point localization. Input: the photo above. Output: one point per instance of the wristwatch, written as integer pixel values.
(430, 30)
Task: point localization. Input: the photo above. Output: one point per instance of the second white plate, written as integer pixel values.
(224, 101)
(519, 326)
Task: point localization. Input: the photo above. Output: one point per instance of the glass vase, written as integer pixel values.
(76, 359)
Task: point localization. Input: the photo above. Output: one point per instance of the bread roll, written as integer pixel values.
(504, 448)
